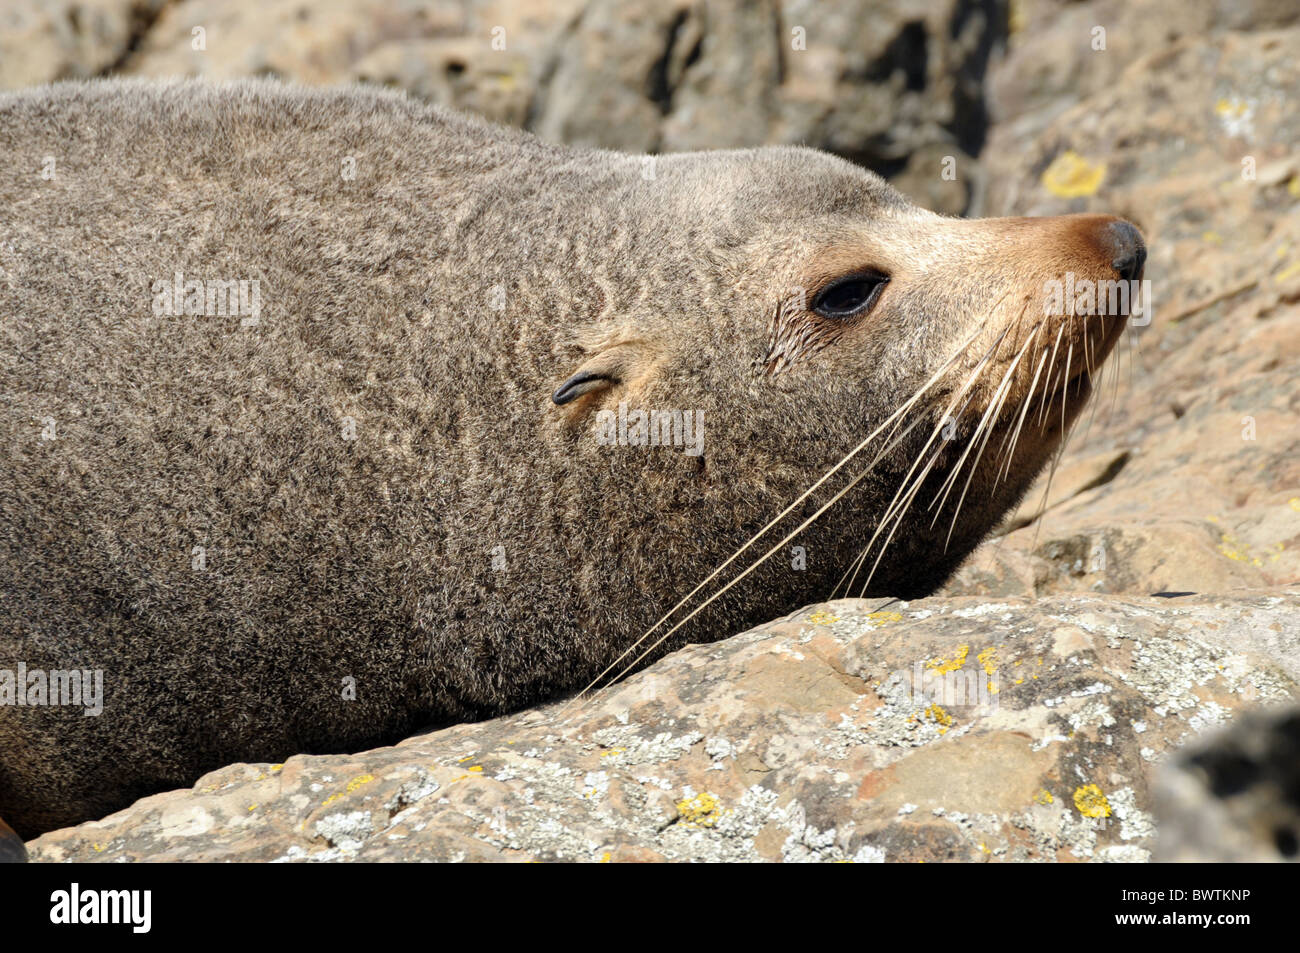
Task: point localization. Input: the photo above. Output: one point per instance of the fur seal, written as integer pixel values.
(325, 413)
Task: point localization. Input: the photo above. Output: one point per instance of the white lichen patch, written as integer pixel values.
(346, 831)
(1134, 824)
(662, 747)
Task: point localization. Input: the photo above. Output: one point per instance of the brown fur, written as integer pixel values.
(371, 558)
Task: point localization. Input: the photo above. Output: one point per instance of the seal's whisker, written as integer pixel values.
(1005, 388)
(995, 404)
(896, 511)
(909, 487)
(1047, 490)
(938, 429)
(1087, 346)
(762, 559)
(880, 456)
(1024, 410)
(1065, 391)
(907, 491)
(1114, 378)
(895, 416)
(1046, 404)
(999, 398)
(1092, 413)
(1007, 449)
(898, 519)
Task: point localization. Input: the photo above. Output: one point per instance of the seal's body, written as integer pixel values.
(320, 411)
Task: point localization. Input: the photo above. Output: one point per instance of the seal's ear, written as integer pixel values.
(583, 382)
(620, 364)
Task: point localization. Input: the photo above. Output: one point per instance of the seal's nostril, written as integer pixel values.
(1128, 251)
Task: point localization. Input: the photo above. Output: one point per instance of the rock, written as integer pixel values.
(1234, 797)
(944, 729)
(940, 177)
(863, 78)
(42, 41)
(12, 850)
(484, 57)
(1202, 405)
(1059, 52)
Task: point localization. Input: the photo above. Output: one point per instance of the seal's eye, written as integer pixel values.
(849, 296)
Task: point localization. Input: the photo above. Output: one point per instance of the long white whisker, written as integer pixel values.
(789, 509)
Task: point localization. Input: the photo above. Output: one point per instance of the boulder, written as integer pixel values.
(945, 729)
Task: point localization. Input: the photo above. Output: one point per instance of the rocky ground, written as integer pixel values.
(1149, 596)
(945, 729)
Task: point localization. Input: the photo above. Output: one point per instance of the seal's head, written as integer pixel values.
(804, 305)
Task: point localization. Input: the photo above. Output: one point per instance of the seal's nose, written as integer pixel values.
(1128, 251)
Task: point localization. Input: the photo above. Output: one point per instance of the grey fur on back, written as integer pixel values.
(237, 522)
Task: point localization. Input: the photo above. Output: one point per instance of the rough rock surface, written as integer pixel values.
(878, 82)
(42, 41)
(1234, 796)
(1188, 478)
(944, 729)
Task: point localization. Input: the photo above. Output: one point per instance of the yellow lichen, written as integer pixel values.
(943, 666)
(823, 618)
(936, 714)
(1072, 176)
(1231, 108)
(877, 619)
(352, 785)
(1091, 802)
(1016, 17)
(703, 810)
(1044, 796)
(1287, 273)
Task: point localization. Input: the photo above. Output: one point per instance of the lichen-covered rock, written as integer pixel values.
(1060, 52)
(944, 729)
